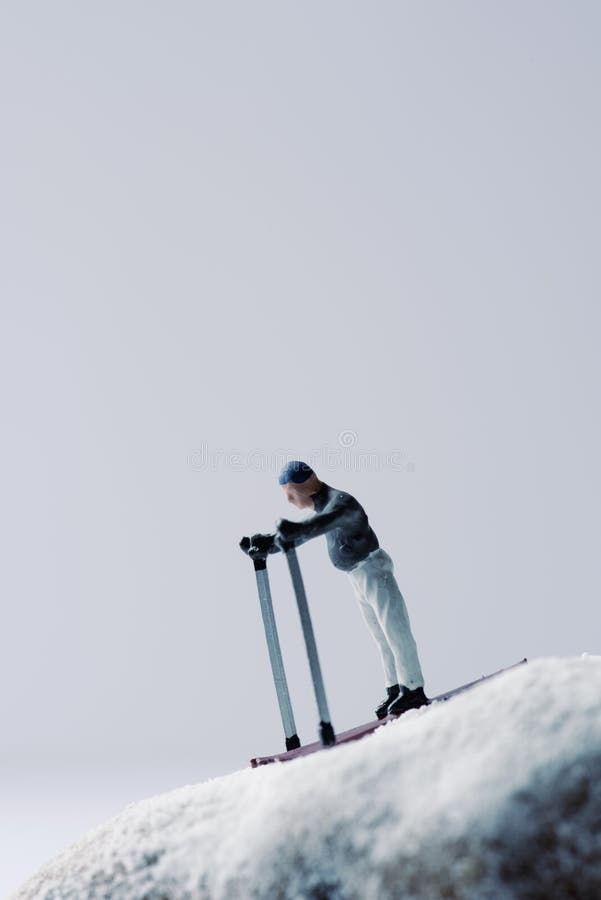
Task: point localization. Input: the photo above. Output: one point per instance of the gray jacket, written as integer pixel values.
(344, 522)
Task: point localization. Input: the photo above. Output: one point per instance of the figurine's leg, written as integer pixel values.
(384, 595)
(371, 620)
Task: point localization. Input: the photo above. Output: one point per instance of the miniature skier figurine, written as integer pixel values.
(354, 548)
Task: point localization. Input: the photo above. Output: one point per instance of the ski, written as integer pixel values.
(360, 731)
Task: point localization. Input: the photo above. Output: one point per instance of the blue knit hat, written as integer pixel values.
(296, 472)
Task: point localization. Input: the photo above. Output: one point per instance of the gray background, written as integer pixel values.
(235, 230)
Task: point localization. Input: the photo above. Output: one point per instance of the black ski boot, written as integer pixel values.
(408, 700)
(393, 692)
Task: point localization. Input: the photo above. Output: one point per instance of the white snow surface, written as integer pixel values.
(494, 794)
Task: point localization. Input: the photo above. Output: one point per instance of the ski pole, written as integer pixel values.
(326, 732)
(275, 653)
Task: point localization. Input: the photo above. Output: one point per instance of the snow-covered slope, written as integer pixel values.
(494, 794)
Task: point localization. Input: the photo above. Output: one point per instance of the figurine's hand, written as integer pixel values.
(286, 530)
(262, 544)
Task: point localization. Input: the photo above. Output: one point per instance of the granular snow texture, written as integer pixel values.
(493, 794)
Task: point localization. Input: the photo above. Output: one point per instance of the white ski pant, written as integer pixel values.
(385, 613)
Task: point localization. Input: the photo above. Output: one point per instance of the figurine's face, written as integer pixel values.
(300, 494)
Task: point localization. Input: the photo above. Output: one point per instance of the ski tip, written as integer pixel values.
(257, 761)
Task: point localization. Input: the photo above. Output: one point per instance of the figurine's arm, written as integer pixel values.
(346, 512)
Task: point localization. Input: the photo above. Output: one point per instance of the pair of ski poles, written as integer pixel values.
(326, 732)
